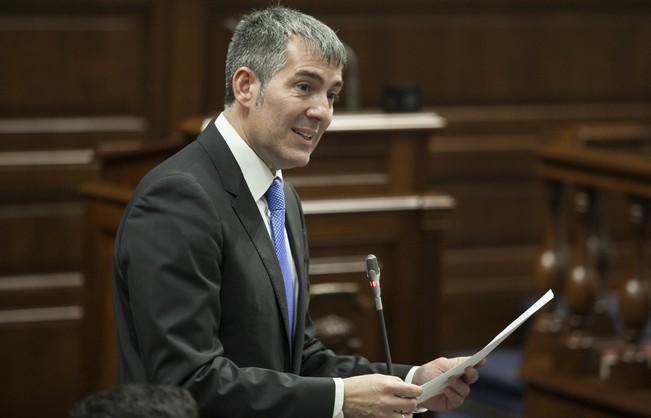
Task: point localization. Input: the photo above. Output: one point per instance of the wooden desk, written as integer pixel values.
(552, 395)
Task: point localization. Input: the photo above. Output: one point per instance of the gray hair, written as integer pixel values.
(260, 40)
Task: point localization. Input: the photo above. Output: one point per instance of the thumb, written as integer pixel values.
(407, 390)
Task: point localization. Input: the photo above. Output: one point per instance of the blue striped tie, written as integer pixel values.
(276, 202)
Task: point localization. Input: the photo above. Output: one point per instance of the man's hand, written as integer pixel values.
(380, 396)
(457, 388)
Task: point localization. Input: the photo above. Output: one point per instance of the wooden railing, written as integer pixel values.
(597, 257)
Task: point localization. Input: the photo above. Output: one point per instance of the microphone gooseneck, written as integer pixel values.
(373, 275)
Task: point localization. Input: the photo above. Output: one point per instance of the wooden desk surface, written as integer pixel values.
(347, 122)
(610, 157)
(550, 393)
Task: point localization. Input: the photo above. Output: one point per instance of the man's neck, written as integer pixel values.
(234, 116)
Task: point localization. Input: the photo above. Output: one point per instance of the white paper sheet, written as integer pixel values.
(436, 385)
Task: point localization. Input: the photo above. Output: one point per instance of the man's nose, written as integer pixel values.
(320, 110)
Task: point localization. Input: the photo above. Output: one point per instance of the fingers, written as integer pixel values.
(404, 396)
(406, 406)
(459, 386)
(404, 390)
(471, 375)
(456, 392)
(379, 396)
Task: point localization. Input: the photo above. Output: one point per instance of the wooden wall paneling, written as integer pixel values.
(74, 71)
(480, 52)
(74, 74)
(495, 213)
(40, 287)
(40, 214)
(41, 374)
(40, 237)
(126, 162)
(188, 55)
(84, 66)
(174, 86)
(104, 206)
(40, 290)
(492, 239)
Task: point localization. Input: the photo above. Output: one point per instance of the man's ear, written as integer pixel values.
(245, 86)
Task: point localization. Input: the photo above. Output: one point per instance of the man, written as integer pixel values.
(211, 288)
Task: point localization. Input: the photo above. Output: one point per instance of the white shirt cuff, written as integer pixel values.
(338, 410)
(410, 375)
(408, 379)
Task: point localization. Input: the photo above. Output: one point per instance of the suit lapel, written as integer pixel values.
(295, 228)
(248, 214)
(247, 211)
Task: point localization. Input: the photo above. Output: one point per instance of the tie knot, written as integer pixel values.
(275, 195)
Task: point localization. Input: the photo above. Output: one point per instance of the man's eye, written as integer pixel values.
(304, 87)
(333, 97)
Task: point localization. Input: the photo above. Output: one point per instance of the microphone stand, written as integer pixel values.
(373, 274)
(385, 340)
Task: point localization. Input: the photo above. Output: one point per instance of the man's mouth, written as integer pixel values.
(308, 135)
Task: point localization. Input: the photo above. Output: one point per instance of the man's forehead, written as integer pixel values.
(316, 70)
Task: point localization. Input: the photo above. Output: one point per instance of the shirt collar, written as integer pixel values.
(256, 174)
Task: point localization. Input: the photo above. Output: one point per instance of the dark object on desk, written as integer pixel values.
(402, 97)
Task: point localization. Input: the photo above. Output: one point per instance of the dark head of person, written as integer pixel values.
(138, 401)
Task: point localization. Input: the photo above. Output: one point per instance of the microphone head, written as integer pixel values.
(373, 275)
(372, 268)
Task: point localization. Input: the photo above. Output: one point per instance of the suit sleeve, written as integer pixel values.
(169, 248)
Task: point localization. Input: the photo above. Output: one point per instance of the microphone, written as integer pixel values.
(373, 275)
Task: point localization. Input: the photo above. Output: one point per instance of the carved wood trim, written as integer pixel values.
(59, 313)
(379, 204)
(41, 281)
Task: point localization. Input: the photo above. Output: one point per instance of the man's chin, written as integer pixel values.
(297, 161)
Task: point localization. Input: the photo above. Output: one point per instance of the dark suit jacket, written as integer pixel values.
(199, 297)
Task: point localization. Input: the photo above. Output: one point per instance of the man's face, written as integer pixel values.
(289, 117)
